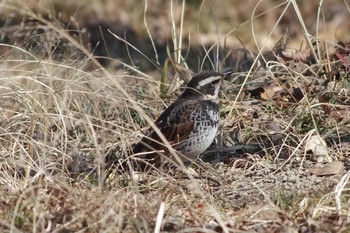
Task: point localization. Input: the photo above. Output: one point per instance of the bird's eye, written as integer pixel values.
(216, 82)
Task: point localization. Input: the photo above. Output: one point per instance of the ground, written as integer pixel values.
(81, 82)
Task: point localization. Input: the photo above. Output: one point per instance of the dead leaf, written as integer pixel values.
(339, 114)
(270, 92)
(317, 146)
(332, 168)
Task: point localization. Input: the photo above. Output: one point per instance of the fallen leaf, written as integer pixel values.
(339, 114)
(270, 92)
(332, 168)
(317, 146)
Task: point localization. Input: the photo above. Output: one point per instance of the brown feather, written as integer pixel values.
(177, 122)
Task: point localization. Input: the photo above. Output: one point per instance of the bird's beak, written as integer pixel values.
(227, 72)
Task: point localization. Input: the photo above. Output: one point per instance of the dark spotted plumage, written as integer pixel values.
(189, 124)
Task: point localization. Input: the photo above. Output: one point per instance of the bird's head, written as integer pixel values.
(205, 84)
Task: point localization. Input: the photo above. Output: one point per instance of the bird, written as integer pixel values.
(189, 124)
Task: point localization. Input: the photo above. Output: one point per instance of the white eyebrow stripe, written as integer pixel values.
(208, 80)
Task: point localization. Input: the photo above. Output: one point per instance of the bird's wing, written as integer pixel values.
(174, 123)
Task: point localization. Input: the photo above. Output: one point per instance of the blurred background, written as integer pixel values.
(147, 34)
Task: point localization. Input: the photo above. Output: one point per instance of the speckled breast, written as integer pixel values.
(206, 122)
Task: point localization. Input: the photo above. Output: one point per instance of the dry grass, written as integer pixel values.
(61, 117)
